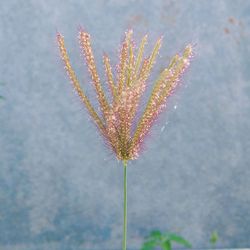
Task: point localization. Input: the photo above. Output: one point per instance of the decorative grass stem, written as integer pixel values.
(124, 243)
(117, 117)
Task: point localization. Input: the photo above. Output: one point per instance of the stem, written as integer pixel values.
(124, 243)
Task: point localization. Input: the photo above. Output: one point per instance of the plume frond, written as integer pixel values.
(85, 44)
(123, 62)
(131, 65)
(163, 87)
(140, 54)
(75, 82)
(109, 75)
(150, 61)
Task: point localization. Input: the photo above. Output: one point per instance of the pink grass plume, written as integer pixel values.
(126, 88)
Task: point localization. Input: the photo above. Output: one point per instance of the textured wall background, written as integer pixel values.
(61, 189)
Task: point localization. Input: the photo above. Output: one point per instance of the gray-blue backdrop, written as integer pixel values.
(60, 188)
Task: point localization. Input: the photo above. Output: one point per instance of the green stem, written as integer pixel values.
(124, 243)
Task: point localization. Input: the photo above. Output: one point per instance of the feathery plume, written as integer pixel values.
(133, 71)
(109, 75)
(85, 44)
(75, 82)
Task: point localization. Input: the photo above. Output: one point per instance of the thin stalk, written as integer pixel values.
(124, 243)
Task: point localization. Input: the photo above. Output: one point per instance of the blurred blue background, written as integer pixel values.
(60, 188)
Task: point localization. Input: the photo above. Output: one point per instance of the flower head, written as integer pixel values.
(117, 118)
